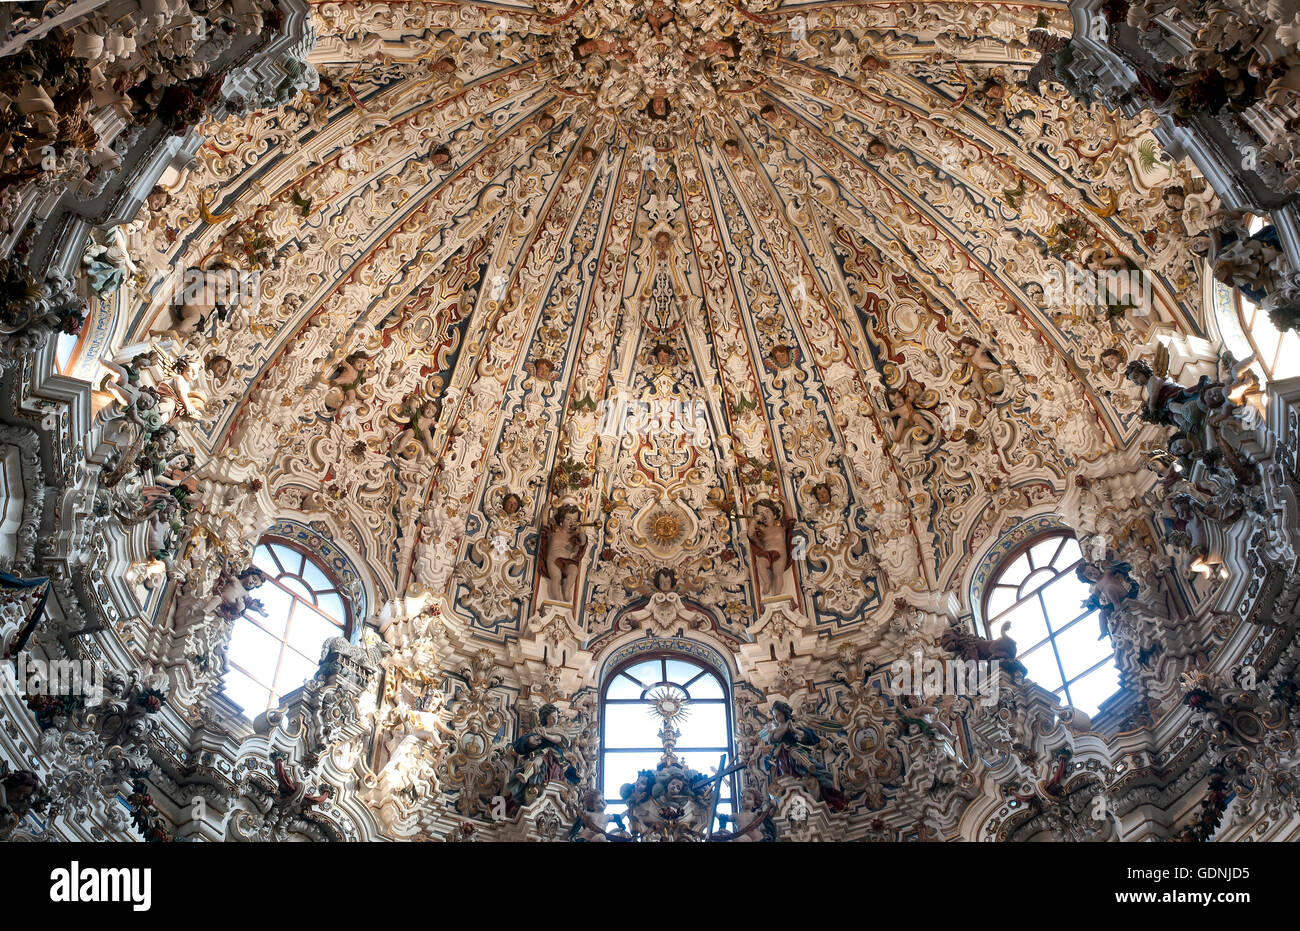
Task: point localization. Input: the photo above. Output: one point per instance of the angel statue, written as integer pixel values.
(1112, 585)
(543, 754)
(682, 803)
(752, 823)
(640, 806)
(1164, 397)
(347, 383)
(418, 418)
(560, 549)
(670, 803)
(232, 594)
(770, 542)
(593, 824)
(790, 753)
(909, 414)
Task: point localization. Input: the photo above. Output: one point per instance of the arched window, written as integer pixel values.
(268, 657)
(1246, 328)
(631, 720)
(1037, 589)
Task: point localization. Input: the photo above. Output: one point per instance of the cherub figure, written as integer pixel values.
(511, 504)
(203, 293)
(770, 543)
(753, 823)
(218, 367)
(681, 802)
(232, 595)
(780, 356)
(346, 382)
(543, 370)
(993, 92)
(417, 437)
(640, 806)
(772, 116)
(560, 552)
(1164, 396)
(907, 416)
(658, 106)
(663, 357)
(873, 63)
(123, 383)
(984, 370)
(179, 387)
(593, 823)
(20, 794)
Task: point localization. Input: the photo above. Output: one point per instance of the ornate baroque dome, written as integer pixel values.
(567, 333)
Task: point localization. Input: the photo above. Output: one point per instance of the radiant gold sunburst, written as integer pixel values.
(665, 529)
(670, 705)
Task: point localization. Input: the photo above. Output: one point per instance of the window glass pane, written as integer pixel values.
(254, 650)
(1002, 598)
(680, 672)
(705, 726)
(295, 669)
(277, 603)
(1041, 666)
(1036, 580)
(295, 585)
(1068, 556)
(1088, 693)
(1050, 628)
(1288, 363)
(263, 559)
(621, 768)
(647, 673)
(331, 605)
(623, 687)
(1027, 624)
(290, 559)
(1042, 554)
(1015, 573)
(281, 651)
(315, 578)
(1064, 599)
(1079, 647)
(707, 686)
(631, 726)
(310, 630)
(245, 693)
(1266, 337)
(704, 762)
(63, 350)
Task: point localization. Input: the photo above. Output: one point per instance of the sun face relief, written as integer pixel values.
(657, 66)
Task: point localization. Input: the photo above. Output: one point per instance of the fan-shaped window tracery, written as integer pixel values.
(1038, 592)
(273, 653)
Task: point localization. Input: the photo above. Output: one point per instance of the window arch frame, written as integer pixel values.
(1086, 615)
(729, 798)
(346, 624)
